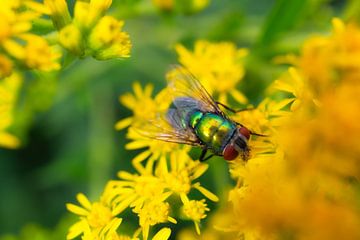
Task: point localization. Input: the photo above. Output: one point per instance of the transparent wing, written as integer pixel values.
(182, 83)
(167, 127)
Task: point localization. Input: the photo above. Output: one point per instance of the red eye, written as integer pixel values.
(230, 152)
(245, 132)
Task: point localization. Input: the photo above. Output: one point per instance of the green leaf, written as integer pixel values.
(284, 15)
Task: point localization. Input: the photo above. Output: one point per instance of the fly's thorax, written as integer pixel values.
(194, 118)
(212, 129)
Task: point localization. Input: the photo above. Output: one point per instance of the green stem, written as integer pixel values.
(101, 135)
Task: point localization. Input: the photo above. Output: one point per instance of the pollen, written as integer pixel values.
(179, 181)
(195, 210)
(153, 213)
(99, 215)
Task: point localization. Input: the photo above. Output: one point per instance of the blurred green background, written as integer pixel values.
(66, 121)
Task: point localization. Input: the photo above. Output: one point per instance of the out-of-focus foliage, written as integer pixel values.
(292, 62)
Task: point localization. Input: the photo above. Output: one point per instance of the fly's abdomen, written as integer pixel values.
(212, 129)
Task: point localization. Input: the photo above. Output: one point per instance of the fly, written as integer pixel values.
(195, 118)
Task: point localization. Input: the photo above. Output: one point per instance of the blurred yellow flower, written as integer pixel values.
(218, 66)
(303, 186)
(87, 14)
(108, 41)
(59, 12)
(9, 90)
(324, 58)
(70, 37)
(19, 44)
(39, 55)
(89, 32)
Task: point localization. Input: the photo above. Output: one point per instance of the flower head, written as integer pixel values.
(195, 210)
(95, 218)
(217, 65)
(21, 47)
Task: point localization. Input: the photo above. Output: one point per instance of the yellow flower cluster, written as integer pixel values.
(307, 188)
(219, 67)
(9, 88)
(19, 47)
(168, 171)
(90, 32)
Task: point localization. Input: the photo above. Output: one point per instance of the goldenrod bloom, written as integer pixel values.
(218, 66)
(70, 37)
(108, 41)
(302, 186)
(39, 55)
(89, 32)
(195, 210)
(18, 43)
(179, 175)
(95, 218)
(86, 14)
(142, 97)
(59, 12)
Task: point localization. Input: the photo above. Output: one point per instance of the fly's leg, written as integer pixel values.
(241, 110)
(258, 134)
(233, 110)
(202, 157)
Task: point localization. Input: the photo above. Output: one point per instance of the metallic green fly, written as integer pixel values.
(195, 118)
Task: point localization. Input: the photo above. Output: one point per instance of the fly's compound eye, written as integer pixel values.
(230, 152)
(245, 132)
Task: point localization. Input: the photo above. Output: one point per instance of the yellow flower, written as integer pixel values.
(217, 65)
(324, 58)
(302, 187)
(59, 12)
(39, 55)
(98, 217)
(151, 188)
(195, 210)
(179, 175)
(133, 190)
(151, 213)
(142, 97)
(295, 84)
(16, 40)
(70, 38)
(87, 14)
(108, 41)
(89, 32)
(9, 89)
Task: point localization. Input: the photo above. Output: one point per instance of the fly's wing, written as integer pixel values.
(168, 127)
(182, 84)
(172, 125)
